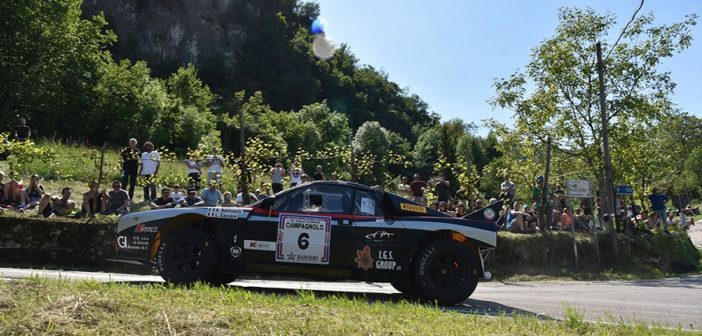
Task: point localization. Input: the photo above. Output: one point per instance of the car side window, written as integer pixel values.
(367, 203)
(316, 198)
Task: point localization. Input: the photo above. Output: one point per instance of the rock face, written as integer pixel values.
(169, 34)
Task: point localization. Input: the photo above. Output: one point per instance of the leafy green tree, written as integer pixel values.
(557, 94)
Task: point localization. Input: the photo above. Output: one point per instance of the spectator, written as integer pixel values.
(296, 173)
(417, 189)
(530, 220)
(277, 173)
(228, 203)
(13, 191)
(165, 201)
(177, 194)
(478, 205)
(116, 200)
(150, 163)
(215, 163)
(333, 177)
(403, 187)
(240, 198)
(434, 205)
(658, 205)
(566, 220)
(192, 200)
(442, 188)
(507, 189)
(130, 166)
(92, 200)
(211, 196)
(460, 209)
(536, 198)
(581, 220)
(22, 131)
(33, 194)
(586, 205)
(2, 188)
(517, 220)
(263, 192)
(443, 207)
(304, 178)
(193, 170)
(319, 173)
(55, 206)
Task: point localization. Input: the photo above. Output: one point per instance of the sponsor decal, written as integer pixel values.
(413, 208)
(489, 214)
(235, 251)
(259, 245)
(134, 243)
(227, 213)
(141, 228)
(380, 236)
(423, 261)
(385, 261)
(303, 239)
(364, 259)
(122, 241)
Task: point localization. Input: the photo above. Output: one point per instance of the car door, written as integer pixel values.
(377, 238)
(307, 226)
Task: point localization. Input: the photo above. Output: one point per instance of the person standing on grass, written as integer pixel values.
(193, 167)
(296, 173)
(277, 173)
(130, 165)
(150, 162)
(215, 163)
(658, 200)
(442, 189)
(22, 131)
(417, 189)
(319, 173)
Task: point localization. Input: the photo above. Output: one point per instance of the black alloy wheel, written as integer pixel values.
(187, 255)
(446, 271)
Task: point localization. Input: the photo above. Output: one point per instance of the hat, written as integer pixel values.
(526, 206)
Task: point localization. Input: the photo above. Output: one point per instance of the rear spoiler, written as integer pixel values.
(491, 213)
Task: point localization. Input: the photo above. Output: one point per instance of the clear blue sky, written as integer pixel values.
(450, 51)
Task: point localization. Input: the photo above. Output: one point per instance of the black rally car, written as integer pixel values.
(333, 230)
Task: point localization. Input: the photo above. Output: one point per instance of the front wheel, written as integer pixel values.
(186, 256)
(446, 271)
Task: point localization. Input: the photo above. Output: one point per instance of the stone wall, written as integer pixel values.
(56, 242)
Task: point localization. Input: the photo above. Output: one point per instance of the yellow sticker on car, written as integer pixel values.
(413, 208)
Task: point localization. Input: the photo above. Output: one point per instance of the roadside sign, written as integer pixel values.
(623, 189)
(578, 189)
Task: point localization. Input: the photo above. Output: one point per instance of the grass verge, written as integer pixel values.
(38, 306)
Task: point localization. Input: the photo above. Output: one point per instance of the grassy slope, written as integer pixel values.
(59, 307)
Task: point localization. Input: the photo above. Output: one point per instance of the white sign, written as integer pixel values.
(367, 206)
(303, 239)
(227, 213)
(578, 189)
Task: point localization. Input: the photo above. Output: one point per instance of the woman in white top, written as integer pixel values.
(296, 173)
(193, 168)
(150, 162)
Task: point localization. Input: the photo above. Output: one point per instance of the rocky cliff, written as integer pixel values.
(172, 33)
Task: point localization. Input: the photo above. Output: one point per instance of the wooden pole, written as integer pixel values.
(545, 213)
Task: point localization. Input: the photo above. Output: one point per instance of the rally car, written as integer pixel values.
(323, 229)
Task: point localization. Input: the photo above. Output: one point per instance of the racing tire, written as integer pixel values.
(187, 255)
(446, 272)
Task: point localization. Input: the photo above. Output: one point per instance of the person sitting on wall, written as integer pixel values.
(228, 203)
(92, 200)
(165, 201)
(192, 199)
(116, 200)
(57, 206)
(33, 194)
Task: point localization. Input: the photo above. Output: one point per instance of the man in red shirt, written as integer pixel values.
(417, 189)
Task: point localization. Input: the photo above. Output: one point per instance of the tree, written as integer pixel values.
(557, 94)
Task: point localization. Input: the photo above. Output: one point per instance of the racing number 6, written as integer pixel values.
(303, 242)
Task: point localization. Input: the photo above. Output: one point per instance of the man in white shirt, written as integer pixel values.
(215, 163)
(148, 169)
(508, 189)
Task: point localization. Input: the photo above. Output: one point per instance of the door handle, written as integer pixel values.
(389, 221)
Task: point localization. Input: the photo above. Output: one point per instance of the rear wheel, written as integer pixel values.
(187, 255)
(446, 271)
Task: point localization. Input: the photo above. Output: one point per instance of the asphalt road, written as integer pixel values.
(674, 302)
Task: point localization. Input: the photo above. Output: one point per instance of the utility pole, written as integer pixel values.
(606, 200)
(242, 179)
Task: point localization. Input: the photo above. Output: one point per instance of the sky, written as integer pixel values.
(449, 52)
